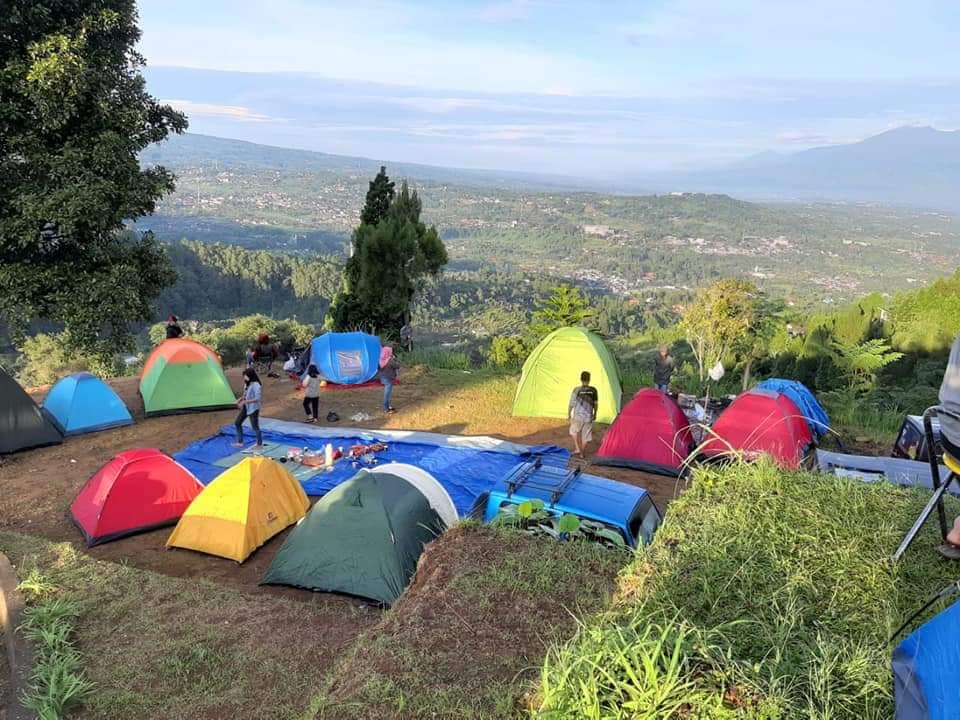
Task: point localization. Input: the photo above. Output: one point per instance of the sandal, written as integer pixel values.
(949, 551)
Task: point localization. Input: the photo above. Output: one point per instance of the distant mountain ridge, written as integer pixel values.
(908, 166)
(192, 149)
(916, 166)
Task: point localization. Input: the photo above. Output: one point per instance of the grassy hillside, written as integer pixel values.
(764, 595)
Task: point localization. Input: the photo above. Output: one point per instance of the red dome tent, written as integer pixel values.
(651, 433)
(138, 490)
(761, 422)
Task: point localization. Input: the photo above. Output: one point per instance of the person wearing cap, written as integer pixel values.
(173, 328)
(663, 366)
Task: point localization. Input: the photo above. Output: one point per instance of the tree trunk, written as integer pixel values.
(746, 374)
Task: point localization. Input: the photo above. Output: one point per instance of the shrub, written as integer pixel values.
(44, 360)
(507, 351)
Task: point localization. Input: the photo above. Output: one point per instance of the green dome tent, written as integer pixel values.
(362, 538)
(553, 370)
(182, 376)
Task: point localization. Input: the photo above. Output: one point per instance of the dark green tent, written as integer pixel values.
(362, 538)
(22, 424)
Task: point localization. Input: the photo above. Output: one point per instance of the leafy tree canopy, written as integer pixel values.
(74, 114)
(721, 317)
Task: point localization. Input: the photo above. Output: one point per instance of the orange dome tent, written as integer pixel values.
(183, 375)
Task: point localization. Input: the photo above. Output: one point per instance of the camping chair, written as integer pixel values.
(939, 490)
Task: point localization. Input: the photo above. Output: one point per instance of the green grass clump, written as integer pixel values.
(58, 683)
(764, 595)
(437, 358)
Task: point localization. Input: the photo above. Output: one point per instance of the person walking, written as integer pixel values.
(582, 413)
(389, 367)
(249, 404)
(311, 394)
(663, 367)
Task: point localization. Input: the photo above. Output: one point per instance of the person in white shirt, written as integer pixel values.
(311, 394)
(249, 404)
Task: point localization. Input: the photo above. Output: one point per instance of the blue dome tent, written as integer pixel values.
(344, 358)
(925, 675)
(804, 399)
(84, 403)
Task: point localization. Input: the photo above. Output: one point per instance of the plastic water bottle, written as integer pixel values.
(328, 456)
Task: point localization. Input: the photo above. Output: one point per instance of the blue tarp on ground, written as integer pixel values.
(344, 358)
(465, 466)
(926, 670)
(804, 399)
(83, 403)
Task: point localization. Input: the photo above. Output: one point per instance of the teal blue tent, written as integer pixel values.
(84, 403)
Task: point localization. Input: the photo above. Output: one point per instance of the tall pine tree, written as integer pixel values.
(379, 196)
(390, 260)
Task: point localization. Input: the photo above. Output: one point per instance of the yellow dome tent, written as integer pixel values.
(240, 510)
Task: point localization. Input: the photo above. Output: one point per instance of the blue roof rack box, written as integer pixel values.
(626, 508)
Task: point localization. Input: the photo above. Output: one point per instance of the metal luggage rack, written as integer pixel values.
(522, 475)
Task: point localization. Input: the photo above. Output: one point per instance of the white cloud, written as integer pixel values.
(235, 112)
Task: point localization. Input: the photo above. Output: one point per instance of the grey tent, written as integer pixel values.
(22, 424)
(362, 538)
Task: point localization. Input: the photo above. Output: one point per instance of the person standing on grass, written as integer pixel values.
(582, 413)
(249, 404)
(663, 366)
(389, 367)
(406, 337)
(174, 330)
(311, 394)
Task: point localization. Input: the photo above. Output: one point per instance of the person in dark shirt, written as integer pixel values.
(173, 328)
(582, 412)
(663, 366)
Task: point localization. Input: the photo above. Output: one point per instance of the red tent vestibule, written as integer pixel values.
(138, 490)
(651, 433)
(760, 422)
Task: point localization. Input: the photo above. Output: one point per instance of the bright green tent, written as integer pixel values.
(553, 370)
(362, 538)
(181, 375)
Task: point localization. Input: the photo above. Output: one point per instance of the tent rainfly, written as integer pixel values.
(363, 538)
(553, 370)
(241, 509)
(23, 425)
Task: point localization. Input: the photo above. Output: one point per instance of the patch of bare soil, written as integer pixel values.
(473, 627)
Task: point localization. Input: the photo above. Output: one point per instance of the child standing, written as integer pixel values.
(389, 366)
(249, 404)
(582, 413)
(311, 394)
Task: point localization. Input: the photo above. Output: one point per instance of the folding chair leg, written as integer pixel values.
(936, 500)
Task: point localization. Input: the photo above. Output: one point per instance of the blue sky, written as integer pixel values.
(596, 88)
